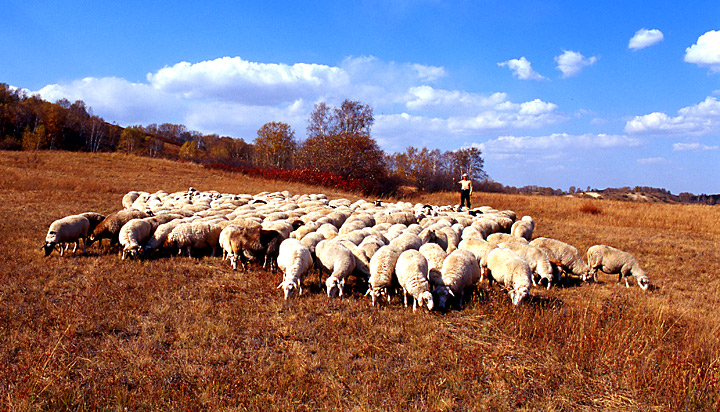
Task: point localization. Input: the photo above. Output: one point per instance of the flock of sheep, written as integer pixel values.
(431, 253)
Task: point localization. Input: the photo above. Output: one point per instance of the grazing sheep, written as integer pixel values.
(460, 271)
(536, 258)
(270, 241)
(362, 263)
(160, 235)
(411, 270)
(370, 245)
(563, 255)
(94, 219)
(294, 261)
(337, 260)
(405, 218)
(382, 268)
(110, 227)
(133, 235)
(129, 199)
(195, 235)
(471, 232)
(328, 231)
(406, 241)
(62, 232)
(511, 271)
(435, 256)
(497, 238)
(480, 248)
(523, 228)
(611, 260)
(238, 238)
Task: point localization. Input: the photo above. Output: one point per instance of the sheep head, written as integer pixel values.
(519, 295)
(426, 298)
(334, 287)
(48, 247)
(288, 287)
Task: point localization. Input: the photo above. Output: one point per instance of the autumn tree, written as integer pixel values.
(275, 145)
(339, 142)
(132, 140)
(468, 160)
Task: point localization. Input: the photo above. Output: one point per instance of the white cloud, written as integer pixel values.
(570, 63)
(645, 38)
(700, 119)
(237, 80)
(522, 69)
(651, 160)
(706, 52)
(530, 145)
(692, 147)
(231, 96)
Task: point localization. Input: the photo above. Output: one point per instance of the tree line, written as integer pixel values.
(338, 143)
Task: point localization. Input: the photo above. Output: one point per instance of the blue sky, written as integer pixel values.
(555, 93)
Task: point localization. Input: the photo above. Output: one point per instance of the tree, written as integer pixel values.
(275, 145)
(339, 142)
(468, 160)
(131, 140)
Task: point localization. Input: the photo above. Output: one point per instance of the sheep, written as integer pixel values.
(160, 235)
(536, 258)
(194, 235)
(406, 218)
(129, 198)
(460, 271)
(563, 256)
(435, 256)
(523, 228)
(411, 270)
(294, 261)
(94, 219)
(611, 260)
(362, 263)
(407, 241)
(235, 239)
(110, 227)
(328, 230)
(471, 232)
(511, 271)
(382, 269)
(133, 235)
(497, 238)
(62, 232)
(337, 260)
(480, 248)
(370, 245)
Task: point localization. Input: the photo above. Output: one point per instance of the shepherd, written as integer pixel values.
(465, 190)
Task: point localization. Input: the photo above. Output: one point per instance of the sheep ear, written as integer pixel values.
(451, 292)
(368, 292)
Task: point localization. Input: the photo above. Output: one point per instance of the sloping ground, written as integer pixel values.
(94, 332)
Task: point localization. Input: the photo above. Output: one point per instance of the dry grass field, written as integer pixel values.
(97, 333)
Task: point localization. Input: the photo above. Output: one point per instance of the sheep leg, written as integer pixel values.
(404, 297)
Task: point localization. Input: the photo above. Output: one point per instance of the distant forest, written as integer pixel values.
(339, 150)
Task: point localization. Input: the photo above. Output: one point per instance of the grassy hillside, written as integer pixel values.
(94, 332)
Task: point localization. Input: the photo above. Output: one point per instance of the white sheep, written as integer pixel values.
(435, 256)
(411, 270)
(511, 271)
(337, 260)
(523, 228)
(195, 235)
(536, 258)
(294, 260)
(160, 235)
(407, 241)
(460, 271)
(611, 260)
(382, 269)
(564, 256)
(133, 236)
(497, 238)
(62, 232)
(480, 249)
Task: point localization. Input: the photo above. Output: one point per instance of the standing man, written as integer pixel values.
(465, 190)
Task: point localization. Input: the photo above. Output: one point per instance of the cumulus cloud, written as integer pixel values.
(522, 69)
(692, 147)
(516, 145)
(706, 52)
(651, 160)
(570, 63)
(700, 119)
(645, 38)
(235, 97)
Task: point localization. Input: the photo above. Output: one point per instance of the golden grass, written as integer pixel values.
(94, 332)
